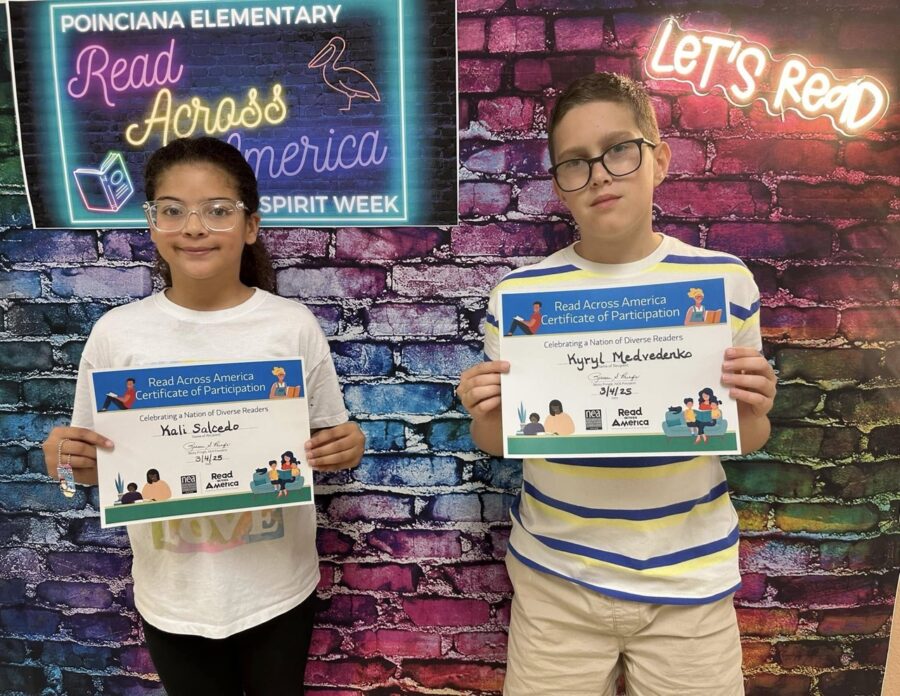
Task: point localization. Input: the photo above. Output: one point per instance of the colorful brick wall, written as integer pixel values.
(415, 597)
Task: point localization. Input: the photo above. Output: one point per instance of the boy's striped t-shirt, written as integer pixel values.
(651, 529)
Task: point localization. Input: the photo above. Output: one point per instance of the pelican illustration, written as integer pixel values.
(348, 81)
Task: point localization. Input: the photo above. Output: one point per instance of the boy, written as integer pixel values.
(630, 561)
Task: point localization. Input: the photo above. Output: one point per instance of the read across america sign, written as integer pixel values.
(745, 72)
(347, 112)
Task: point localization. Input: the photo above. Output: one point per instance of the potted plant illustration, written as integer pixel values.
(522, 419)
(120, 485)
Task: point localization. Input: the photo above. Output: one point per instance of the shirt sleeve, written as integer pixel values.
(492, 327)
(326, 402)
(745, 327)
(83, 409)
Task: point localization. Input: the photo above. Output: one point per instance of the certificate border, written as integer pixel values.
(622, 445)
(214, 503)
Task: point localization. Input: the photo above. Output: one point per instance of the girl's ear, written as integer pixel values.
(252, 230)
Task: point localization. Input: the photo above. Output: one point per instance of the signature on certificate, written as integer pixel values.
(620, 378)
(208, 448)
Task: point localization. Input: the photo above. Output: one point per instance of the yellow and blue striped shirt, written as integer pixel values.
(650, 529)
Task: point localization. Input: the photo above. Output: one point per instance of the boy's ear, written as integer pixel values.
(662, 155)
(557, 190)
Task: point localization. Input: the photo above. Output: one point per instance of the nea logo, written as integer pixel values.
(189, 484)
(593, 419)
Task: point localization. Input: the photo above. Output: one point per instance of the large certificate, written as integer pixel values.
(201, 438)
(625, 371)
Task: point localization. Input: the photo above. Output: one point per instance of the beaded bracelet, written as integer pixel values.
(64, 471)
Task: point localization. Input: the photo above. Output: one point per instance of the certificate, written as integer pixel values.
(201, 438)
(626, 371)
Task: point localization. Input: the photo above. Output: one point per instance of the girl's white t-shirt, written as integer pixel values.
(217, 575)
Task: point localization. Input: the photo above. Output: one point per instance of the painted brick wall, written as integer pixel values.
(415, 597)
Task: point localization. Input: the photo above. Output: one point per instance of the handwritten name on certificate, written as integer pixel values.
(201, 438)
(625, 371)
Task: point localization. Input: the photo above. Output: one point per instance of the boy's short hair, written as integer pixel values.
(605, 87)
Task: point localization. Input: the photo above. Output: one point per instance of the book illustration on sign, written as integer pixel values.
(107, 188)
(699, 422)
(348, 81)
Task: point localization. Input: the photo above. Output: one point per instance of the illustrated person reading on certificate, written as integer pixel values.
(273, 475)
(690, 416)
(221, 596)
(558, 423)
(279, 388)
(132, 496)
(286, 475)
(124, 401)
(533, 427)
(696, 313)
(622, 563)
(529, 327)
(155, 489)
(708, 407)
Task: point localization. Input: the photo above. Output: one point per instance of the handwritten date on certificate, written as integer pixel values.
(609, 389)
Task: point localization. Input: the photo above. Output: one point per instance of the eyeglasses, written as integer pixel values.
(217, 215)
(619, 160)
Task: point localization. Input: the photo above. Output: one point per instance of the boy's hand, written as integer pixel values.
(332, 449)
(750, 378)
(479, 388)
(76, 447)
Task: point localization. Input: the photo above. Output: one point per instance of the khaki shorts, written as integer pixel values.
(569, 640)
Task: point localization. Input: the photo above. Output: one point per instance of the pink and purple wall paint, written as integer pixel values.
(415, 596)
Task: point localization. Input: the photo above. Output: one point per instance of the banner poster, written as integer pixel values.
(201, 438)
(625, 371)
(347, 112)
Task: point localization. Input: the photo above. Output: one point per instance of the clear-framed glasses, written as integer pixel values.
(619, 160)
(217, 215)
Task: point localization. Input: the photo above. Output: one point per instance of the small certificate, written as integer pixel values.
(201, 438)
(626, 371)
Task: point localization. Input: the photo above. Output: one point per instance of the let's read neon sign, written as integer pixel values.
(745, 71)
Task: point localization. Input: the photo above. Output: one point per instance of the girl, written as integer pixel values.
(218, 606)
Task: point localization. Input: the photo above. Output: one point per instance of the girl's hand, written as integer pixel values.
(332, 449)
(76, 447)
(479, 388)
(750, 378)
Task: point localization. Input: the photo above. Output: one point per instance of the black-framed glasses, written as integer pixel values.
(619, 160)
(216, 215)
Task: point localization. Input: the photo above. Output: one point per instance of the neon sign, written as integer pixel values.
(225, 117)
(745, 71)
(123, 75)
(323, 100)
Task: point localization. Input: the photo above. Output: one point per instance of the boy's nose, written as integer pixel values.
(599, 175)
